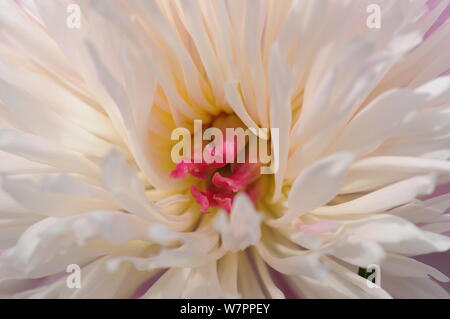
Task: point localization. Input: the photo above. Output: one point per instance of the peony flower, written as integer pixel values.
(87, 109)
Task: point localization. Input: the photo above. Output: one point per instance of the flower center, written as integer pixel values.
(220, 179)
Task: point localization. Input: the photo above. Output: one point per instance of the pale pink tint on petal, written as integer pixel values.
(20, 4)
(146, 285)
(441, 19)
(440, 260)
(321, 227)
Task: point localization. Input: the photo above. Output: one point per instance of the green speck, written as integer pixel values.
(365, 274)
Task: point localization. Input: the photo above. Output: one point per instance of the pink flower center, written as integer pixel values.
(223, 180)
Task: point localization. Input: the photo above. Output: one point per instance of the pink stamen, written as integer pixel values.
(202, 198)
(221, 190)
(243, 174)
(180, 170)
(224, 200)
(199, 170)
(212, 198)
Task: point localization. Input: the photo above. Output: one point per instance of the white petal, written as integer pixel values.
(189, 283)
(398, 235)
(413, 288)
(273, 291)
(280, 113)
(242, 228)
(48, 246)
(400, 266)
(385, 198)
(39, 150)
(338, 283)
(423, 211)
(190, 250)
(12, 229)
(123, 182)
(305, 263)
(51, 126)
(58, 196)
(355, 251)
(316, 185)
(378, 120)
(436, 88)
(234, 99)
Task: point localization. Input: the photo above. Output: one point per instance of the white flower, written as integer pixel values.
(86, 116)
